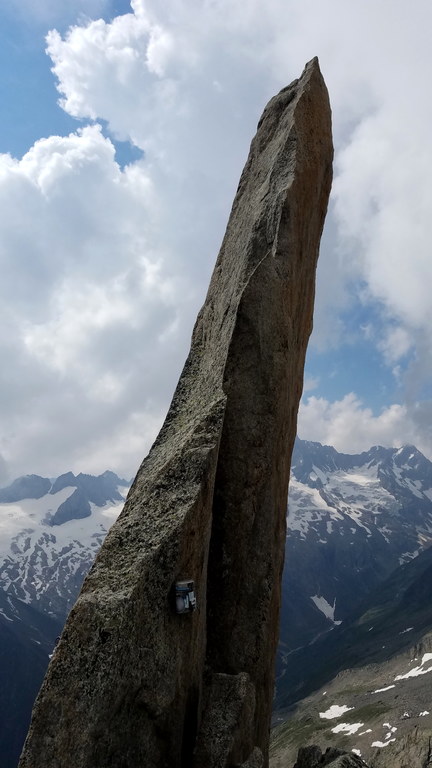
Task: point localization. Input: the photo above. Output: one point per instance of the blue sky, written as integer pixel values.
(124, 130)
(27, 87)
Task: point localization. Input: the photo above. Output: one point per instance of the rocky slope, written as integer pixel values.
(313, 757)
(133, 679)
(358, 631)
(375, 711)
(366, 686)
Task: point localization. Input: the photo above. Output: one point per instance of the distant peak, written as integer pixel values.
(66, 480)
(25, 487)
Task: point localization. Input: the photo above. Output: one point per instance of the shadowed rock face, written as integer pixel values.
(132, 683)
(312, 757)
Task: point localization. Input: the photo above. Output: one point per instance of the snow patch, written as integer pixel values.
(414, 486)
(319, 474)
(336, 710)
(348, 728)
(382, 743)
(381, 690)
(407, 556)
(306, 506)
(367, 477)
(416, 671)
(391, 730)
(325, 607)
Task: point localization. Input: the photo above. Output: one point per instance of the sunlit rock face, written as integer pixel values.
(132, 682)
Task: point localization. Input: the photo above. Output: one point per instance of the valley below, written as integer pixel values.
(381, 712)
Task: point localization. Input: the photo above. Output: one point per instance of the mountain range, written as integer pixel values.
(352, 520)
(355, 587)
(50, 531)
(356, 626)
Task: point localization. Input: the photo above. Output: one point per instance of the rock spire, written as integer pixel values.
(132, 682)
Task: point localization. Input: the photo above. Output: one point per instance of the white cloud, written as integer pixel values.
(383, 197)
(90, 307)
(151, 74)
(396, 344)
(352, 427)
(107, 267)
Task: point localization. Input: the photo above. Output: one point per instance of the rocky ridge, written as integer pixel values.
(130, 677)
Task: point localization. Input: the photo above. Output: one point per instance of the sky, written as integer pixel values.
(123, 132)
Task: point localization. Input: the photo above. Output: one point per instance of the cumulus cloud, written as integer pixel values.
(89, 307)
(107, 267)
(194, 77)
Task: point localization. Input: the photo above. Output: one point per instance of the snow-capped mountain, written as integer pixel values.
(369, 491)
(352, 520)
(359, 563)
(50, 532)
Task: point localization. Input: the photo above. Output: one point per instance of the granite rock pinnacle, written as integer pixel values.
(132, 682)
